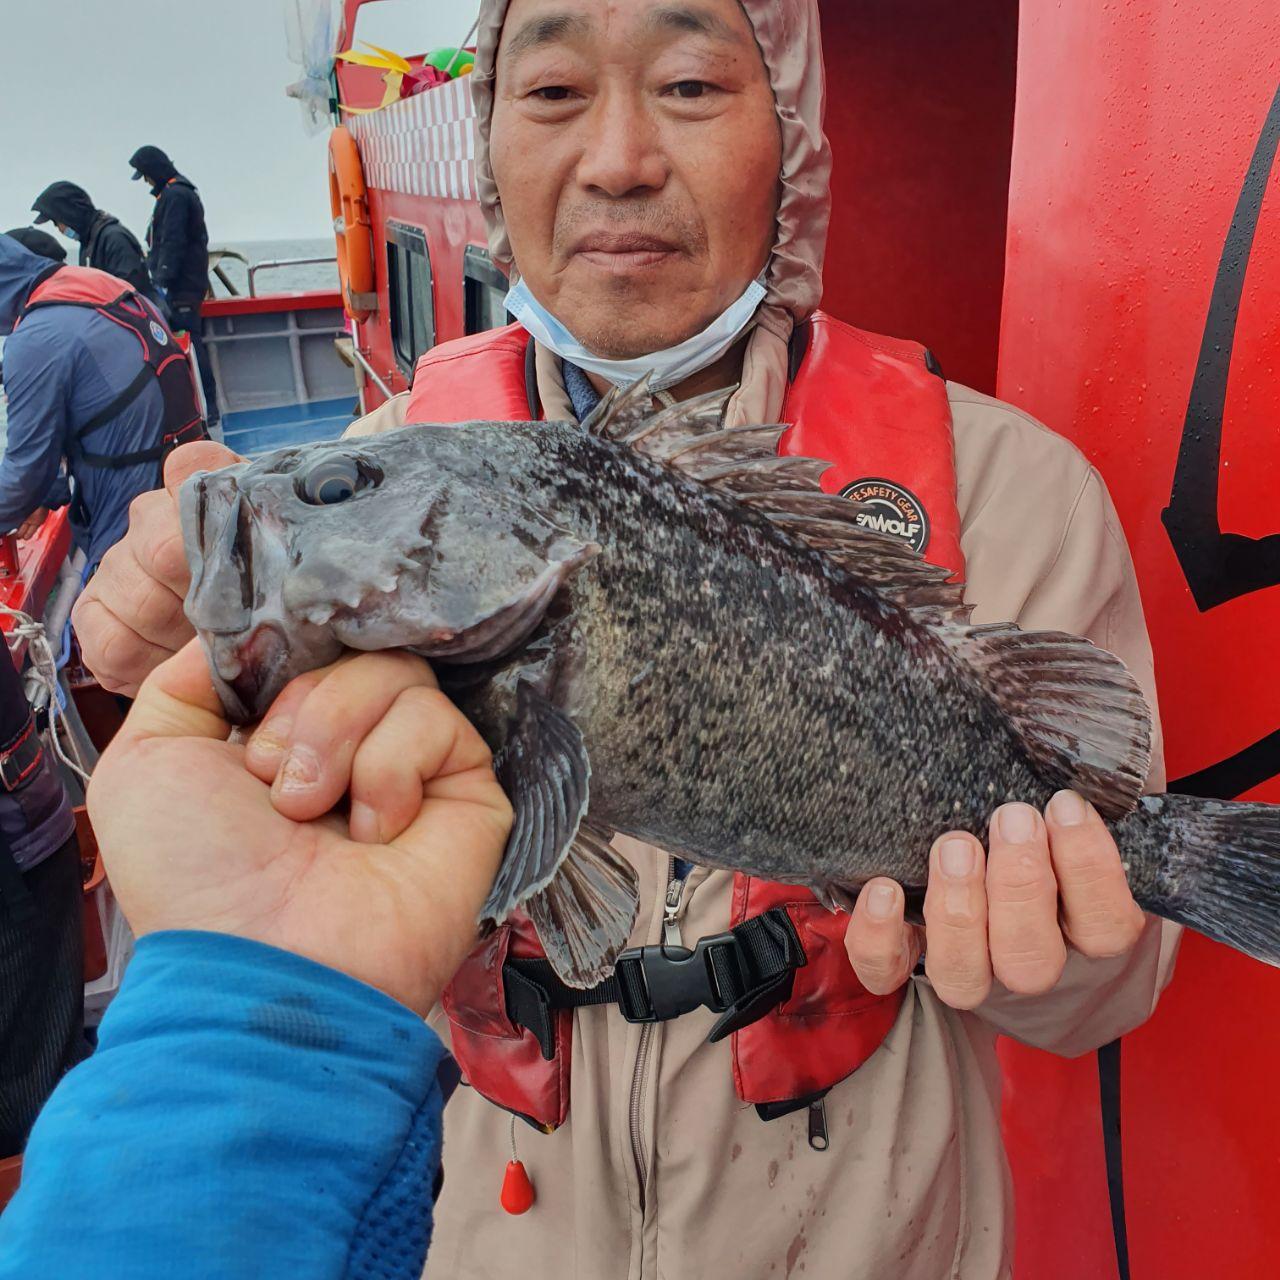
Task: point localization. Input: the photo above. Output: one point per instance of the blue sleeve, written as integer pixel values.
(247, 1113)
(37, 383)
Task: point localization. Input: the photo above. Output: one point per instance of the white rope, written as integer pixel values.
(45, 667)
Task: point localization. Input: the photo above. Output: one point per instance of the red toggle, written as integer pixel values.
(517, 1191)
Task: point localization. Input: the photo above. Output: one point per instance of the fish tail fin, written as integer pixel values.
(585, 915)
(1078, 711)
(1214, 866)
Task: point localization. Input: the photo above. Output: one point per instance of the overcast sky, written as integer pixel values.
(84, 83)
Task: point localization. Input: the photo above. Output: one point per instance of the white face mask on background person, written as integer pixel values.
(668, 367)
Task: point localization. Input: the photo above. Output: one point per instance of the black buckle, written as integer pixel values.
(657, 983)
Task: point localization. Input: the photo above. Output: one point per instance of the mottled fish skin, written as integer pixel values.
(723, 666)
(743, 703)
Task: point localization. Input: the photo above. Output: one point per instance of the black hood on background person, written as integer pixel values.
(68, 204)
(40, 242)
(153, 164)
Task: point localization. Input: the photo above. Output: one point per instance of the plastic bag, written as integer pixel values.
(312, 29)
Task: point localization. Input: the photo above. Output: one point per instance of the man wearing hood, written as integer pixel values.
(106, 244)
(178, 253)
(80, 390)
(655, 176)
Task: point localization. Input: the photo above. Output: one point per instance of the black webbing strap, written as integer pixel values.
(157, 453)
(740, 975)
(141, 380)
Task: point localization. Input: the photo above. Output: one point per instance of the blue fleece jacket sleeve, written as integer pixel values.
(36, 386)
(247, 1113)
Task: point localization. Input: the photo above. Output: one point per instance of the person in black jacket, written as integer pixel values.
(178, 254)
(105, 242)
(40, 242)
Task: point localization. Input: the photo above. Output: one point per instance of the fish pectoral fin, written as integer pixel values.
(585, 915)
(1078, 711)
(544, 770)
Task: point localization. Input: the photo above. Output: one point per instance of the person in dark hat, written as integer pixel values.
(40, 242)
(105, 242)
(178, 253)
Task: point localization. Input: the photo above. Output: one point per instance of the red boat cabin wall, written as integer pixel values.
(1141, 320)
(920, 115)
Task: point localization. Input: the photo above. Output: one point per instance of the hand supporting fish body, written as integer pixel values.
(664, 629)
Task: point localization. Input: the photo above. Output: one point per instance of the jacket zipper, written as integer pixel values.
(639, 1079)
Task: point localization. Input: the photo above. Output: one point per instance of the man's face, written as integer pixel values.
(637, 153)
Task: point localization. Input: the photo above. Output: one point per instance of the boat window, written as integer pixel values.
(484, 288)
(413, 318)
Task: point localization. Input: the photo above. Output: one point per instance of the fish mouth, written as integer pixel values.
(248, 671)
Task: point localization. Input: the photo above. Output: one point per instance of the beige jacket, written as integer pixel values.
(661, 1173)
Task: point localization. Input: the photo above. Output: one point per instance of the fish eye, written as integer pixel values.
(329, 481)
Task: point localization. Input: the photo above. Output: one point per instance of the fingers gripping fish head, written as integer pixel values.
(406, 541)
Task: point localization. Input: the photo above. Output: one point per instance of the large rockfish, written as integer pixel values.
(663, 628)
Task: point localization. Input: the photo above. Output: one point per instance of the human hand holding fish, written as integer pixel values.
(129, 617)
(389, 895)
(1009, 913)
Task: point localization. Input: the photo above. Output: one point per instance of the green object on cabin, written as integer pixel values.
(453, 62)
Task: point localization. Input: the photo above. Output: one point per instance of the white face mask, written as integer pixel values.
(668, 367)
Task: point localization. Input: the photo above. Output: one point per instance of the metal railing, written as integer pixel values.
(359, 357)
(276, 263)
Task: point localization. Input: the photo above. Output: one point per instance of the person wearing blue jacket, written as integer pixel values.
(265, 1098)
(68, 371)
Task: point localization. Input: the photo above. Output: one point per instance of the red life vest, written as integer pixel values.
(877, 409)
(163, 361)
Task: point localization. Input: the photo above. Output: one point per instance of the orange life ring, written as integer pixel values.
(349, 202)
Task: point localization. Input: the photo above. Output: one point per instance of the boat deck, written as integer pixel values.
(251, 432)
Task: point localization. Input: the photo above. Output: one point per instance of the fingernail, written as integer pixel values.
(882, 900)
(1017, 823)
(300, 771)
(1068, 809)
(364, 818)
(955, 857)
(269, 740)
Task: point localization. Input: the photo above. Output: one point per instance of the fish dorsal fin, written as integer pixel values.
(621, 411)
(674, 426)
(1078, 711)
(743, 463)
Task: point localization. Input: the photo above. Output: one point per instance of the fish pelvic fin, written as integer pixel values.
(585, 915)
(1218, 868)
(1077, 710)
(544, 769)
